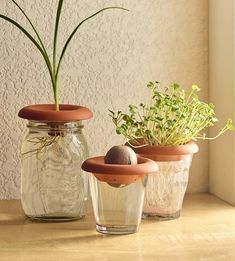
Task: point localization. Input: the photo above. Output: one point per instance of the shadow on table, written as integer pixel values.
(11, 219)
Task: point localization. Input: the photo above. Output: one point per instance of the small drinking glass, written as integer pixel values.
(117, 193)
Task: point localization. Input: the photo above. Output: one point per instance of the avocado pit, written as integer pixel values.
(121, 155)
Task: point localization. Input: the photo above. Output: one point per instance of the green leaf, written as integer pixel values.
(75, 30)
(175, 86)
(36, 32)
(172, 118)
(118, 131)
(126, 117)
(111, 112)
(195, 88)
(170, 122)
(148, 132)
(211, 105)
(174, 108)
(46, 58)
(59, 8)
(132, 109)
(31, 39)
(150, 85)
(230, 125)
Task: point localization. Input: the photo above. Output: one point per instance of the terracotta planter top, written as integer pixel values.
(47, 113)
(165, 153)
(119, 174)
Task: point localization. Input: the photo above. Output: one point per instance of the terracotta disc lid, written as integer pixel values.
(189, 148)
(119, 174)
(47, 113)
(164, 153)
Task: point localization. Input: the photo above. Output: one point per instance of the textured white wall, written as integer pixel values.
(222, 71)
(108, 65)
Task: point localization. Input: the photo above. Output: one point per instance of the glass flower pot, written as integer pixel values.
(117, 193)
(166, 188)
(53, 186)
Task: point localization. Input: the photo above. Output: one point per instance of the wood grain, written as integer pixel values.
(205, 231)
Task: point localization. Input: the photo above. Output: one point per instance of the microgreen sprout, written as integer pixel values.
(174, 117)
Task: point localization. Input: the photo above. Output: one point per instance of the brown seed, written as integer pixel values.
(122, 155)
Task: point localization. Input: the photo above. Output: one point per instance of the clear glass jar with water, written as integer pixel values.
(117, 207)
(53, 185)
(166, 189)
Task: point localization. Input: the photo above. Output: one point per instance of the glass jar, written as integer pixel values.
(117, 192)
(53, 185)
(166, 189)
(117, 207)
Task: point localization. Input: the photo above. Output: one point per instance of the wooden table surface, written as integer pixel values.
(205, 231)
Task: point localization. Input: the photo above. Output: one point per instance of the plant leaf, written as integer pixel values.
(30, 38)
(75, 30)
(26, 16)
(59, 8)
(230, 125)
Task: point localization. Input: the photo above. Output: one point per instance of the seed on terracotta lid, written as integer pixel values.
(122, 155)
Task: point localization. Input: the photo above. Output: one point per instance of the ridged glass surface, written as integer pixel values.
(166, 189)
(53, 185)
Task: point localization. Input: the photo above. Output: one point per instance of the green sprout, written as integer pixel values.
(174, 117)
(52, 66)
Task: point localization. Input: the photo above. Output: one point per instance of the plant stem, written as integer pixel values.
(55, 81)
(56, 97)
(55, 91)
(215, 137)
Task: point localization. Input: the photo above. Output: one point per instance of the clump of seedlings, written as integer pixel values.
(173, 117)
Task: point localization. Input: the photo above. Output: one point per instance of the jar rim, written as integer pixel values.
(55, 126)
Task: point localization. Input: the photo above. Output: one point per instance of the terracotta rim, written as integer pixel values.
(97, 165)
(47, 113)
(119, 174)
(118, 179)
(166, 153)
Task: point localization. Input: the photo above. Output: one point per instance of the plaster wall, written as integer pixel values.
(107, 66)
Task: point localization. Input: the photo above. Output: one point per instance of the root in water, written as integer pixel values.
(42, 144)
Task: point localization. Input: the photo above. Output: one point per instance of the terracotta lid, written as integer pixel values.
(47, 113)
(165, 153)
(119, 174)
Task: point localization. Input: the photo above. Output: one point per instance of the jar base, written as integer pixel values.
(116, 230)
(54, 218)
(160, 217)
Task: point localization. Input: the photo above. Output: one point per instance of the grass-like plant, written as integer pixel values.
(52, 65)
(173, 117)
